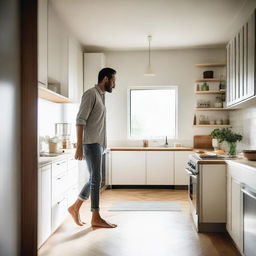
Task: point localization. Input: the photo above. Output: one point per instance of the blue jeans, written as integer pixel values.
(93, 156)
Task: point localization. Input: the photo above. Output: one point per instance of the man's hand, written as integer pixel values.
(79, 153)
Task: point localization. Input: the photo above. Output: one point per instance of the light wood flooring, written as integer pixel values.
(138, 233)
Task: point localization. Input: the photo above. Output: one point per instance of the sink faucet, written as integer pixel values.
(166, 142)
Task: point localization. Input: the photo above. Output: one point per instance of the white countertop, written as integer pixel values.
(48, 160)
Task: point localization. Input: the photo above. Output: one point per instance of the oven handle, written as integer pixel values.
(190, 173)
(248, 193)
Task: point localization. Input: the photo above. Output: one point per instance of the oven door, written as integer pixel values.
(193, 188)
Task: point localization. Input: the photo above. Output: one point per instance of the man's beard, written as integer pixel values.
(108, 87)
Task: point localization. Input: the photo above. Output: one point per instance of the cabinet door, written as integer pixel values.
(44, 210)
(236, 206)
(251, 56)
(75, 69)
(228, 94)
(180, 162)
(160, 168)
(93, 63)
(128, 167)
(229, 203)
(42, 41)
(59, 212)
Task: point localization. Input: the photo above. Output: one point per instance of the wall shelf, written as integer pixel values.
(211, 65)
(49, 95)
(208, 80)
(210, 92)
(212, 109)
(212, 125)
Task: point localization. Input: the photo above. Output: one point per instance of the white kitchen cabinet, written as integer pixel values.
(180, 162)
(128, 167)
(75, 70)
(44, 203)
(241, 64)
(59, 211)
(57, 52)
(159, 168)
(235, 205)
(93, 63)
(42, 42)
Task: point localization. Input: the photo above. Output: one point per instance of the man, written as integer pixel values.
(91, 142)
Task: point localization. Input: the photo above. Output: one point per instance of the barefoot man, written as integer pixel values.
(91, 142)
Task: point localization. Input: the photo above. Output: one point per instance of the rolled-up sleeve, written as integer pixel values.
(85, 107)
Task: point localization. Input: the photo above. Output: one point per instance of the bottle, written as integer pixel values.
(194, 120)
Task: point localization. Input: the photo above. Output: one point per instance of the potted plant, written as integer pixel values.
(215, 138)
(225, 134)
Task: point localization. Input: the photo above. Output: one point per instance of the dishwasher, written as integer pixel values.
(249, 220)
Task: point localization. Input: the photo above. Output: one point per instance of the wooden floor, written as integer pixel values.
(138, 233)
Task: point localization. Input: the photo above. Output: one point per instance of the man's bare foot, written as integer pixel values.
(101, 223)
(75, 215)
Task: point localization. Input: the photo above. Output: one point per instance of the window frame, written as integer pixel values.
(175, 87)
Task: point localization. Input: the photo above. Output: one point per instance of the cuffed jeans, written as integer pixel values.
(93, 156)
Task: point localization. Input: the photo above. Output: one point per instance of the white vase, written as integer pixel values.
(215, 144)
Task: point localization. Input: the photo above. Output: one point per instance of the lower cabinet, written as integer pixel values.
(180, 162)
(59, 212)
(234, 210)
(44, 203)
(160, 168)
(128, 167)
(149, 167)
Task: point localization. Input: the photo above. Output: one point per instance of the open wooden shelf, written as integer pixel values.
(49, 95)
(212, 109)
(211, 65)
(212, 125)
(208, 80)
(210, 92)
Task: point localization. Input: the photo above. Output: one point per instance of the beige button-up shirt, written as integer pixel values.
(92, 115)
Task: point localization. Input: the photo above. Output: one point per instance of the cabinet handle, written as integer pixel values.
(61, 201)
(61, 163)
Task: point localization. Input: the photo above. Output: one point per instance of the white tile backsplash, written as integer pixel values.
(243, 121)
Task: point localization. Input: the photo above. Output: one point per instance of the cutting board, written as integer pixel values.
(202, 142)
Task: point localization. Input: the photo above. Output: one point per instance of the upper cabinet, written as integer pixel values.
(75, 70)
(42, 42)
(60, 58)
(93, 63)
(57, 53)
(241, 65)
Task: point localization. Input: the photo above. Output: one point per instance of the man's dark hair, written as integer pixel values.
(108, 72)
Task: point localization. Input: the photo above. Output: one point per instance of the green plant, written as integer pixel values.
(225, 134)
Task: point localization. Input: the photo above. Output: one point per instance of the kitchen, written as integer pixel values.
(198, 73)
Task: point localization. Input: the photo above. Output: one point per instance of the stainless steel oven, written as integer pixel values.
(249, 220)
(192, 170)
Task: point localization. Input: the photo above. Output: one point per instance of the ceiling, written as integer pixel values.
(125, 24)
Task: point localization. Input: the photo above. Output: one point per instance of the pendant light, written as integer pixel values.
(149, 71)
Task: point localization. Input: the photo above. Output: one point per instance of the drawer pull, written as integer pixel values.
(61, 201)
(61, 163)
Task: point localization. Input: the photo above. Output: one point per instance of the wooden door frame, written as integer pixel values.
(29, 154)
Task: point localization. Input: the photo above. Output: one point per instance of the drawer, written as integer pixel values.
(59, 167)
(60, 184)
(59, 212)
(72, 163)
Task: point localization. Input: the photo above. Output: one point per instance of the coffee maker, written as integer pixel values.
(63, 131)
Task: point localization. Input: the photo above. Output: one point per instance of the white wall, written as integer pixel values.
(244, 122)
(173, 67)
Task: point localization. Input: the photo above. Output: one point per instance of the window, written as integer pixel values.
(153, 112)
